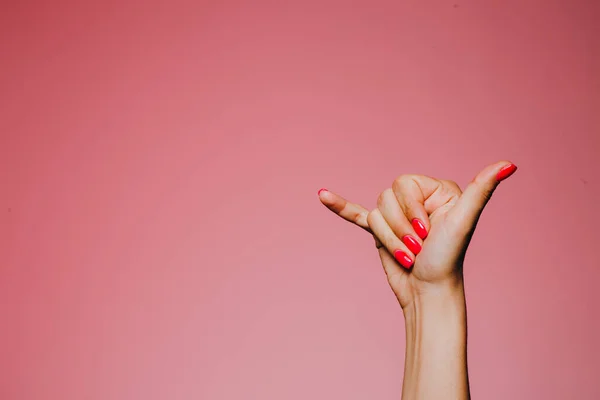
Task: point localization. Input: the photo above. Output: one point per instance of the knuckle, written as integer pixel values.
(450, 184)
(402, 180)
(371, 217)
(356, 217)
(381, 199)
(451, 189)
(485, 191)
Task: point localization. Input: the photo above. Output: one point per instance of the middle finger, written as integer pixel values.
(390, 208)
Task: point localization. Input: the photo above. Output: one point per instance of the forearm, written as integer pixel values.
(436, 345)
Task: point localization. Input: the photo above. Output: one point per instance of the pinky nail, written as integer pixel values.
(320, 190)
(419, 228)
(505, 172)
(403, 259)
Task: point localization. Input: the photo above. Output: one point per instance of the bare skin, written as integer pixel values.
(428, 281)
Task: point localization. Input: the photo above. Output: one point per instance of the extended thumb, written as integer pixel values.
(478, 193)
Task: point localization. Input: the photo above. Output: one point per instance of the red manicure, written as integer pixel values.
(403, 259)
(412, 244)
(320, 190)
(505, 172)
(419, 228)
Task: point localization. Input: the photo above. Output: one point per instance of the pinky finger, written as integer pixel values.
(351, 212)
(396, 275)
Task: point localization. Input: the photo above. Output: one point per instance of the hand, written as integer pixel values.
(422, 227)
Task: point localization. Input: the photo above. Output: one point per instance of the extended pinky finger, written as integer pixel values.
(351, 212)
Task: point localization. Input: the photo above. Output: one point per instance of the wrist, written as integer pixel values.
(436, 342)
(432, 295)
(435, 308)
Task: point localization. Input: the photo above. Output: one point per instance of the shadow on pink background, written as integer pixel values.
(161, 237)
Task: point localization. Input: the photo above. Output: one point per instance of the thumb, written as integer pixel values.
(467, 210)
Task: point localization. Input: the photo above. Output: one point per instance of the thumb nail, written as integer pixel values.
(505, 172)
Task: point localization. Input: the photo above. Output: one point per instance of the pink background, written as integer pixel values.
(161, 237)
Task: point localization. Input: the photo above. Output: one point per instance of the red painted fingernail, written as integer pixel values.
(505, 172)
(412, 244)
(320, 190)
(419, 228)
(403, 259)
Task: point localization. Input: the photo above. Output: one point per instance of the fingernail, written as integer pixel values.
(419, 228)
(412, 244)
(505, 172)
(320, 190)
(403, 259)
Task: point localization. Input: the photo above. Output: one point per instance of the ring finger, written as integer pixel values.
(388, 238)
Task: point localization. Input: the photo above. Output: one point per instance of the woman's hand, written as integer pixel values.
(422, 227)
